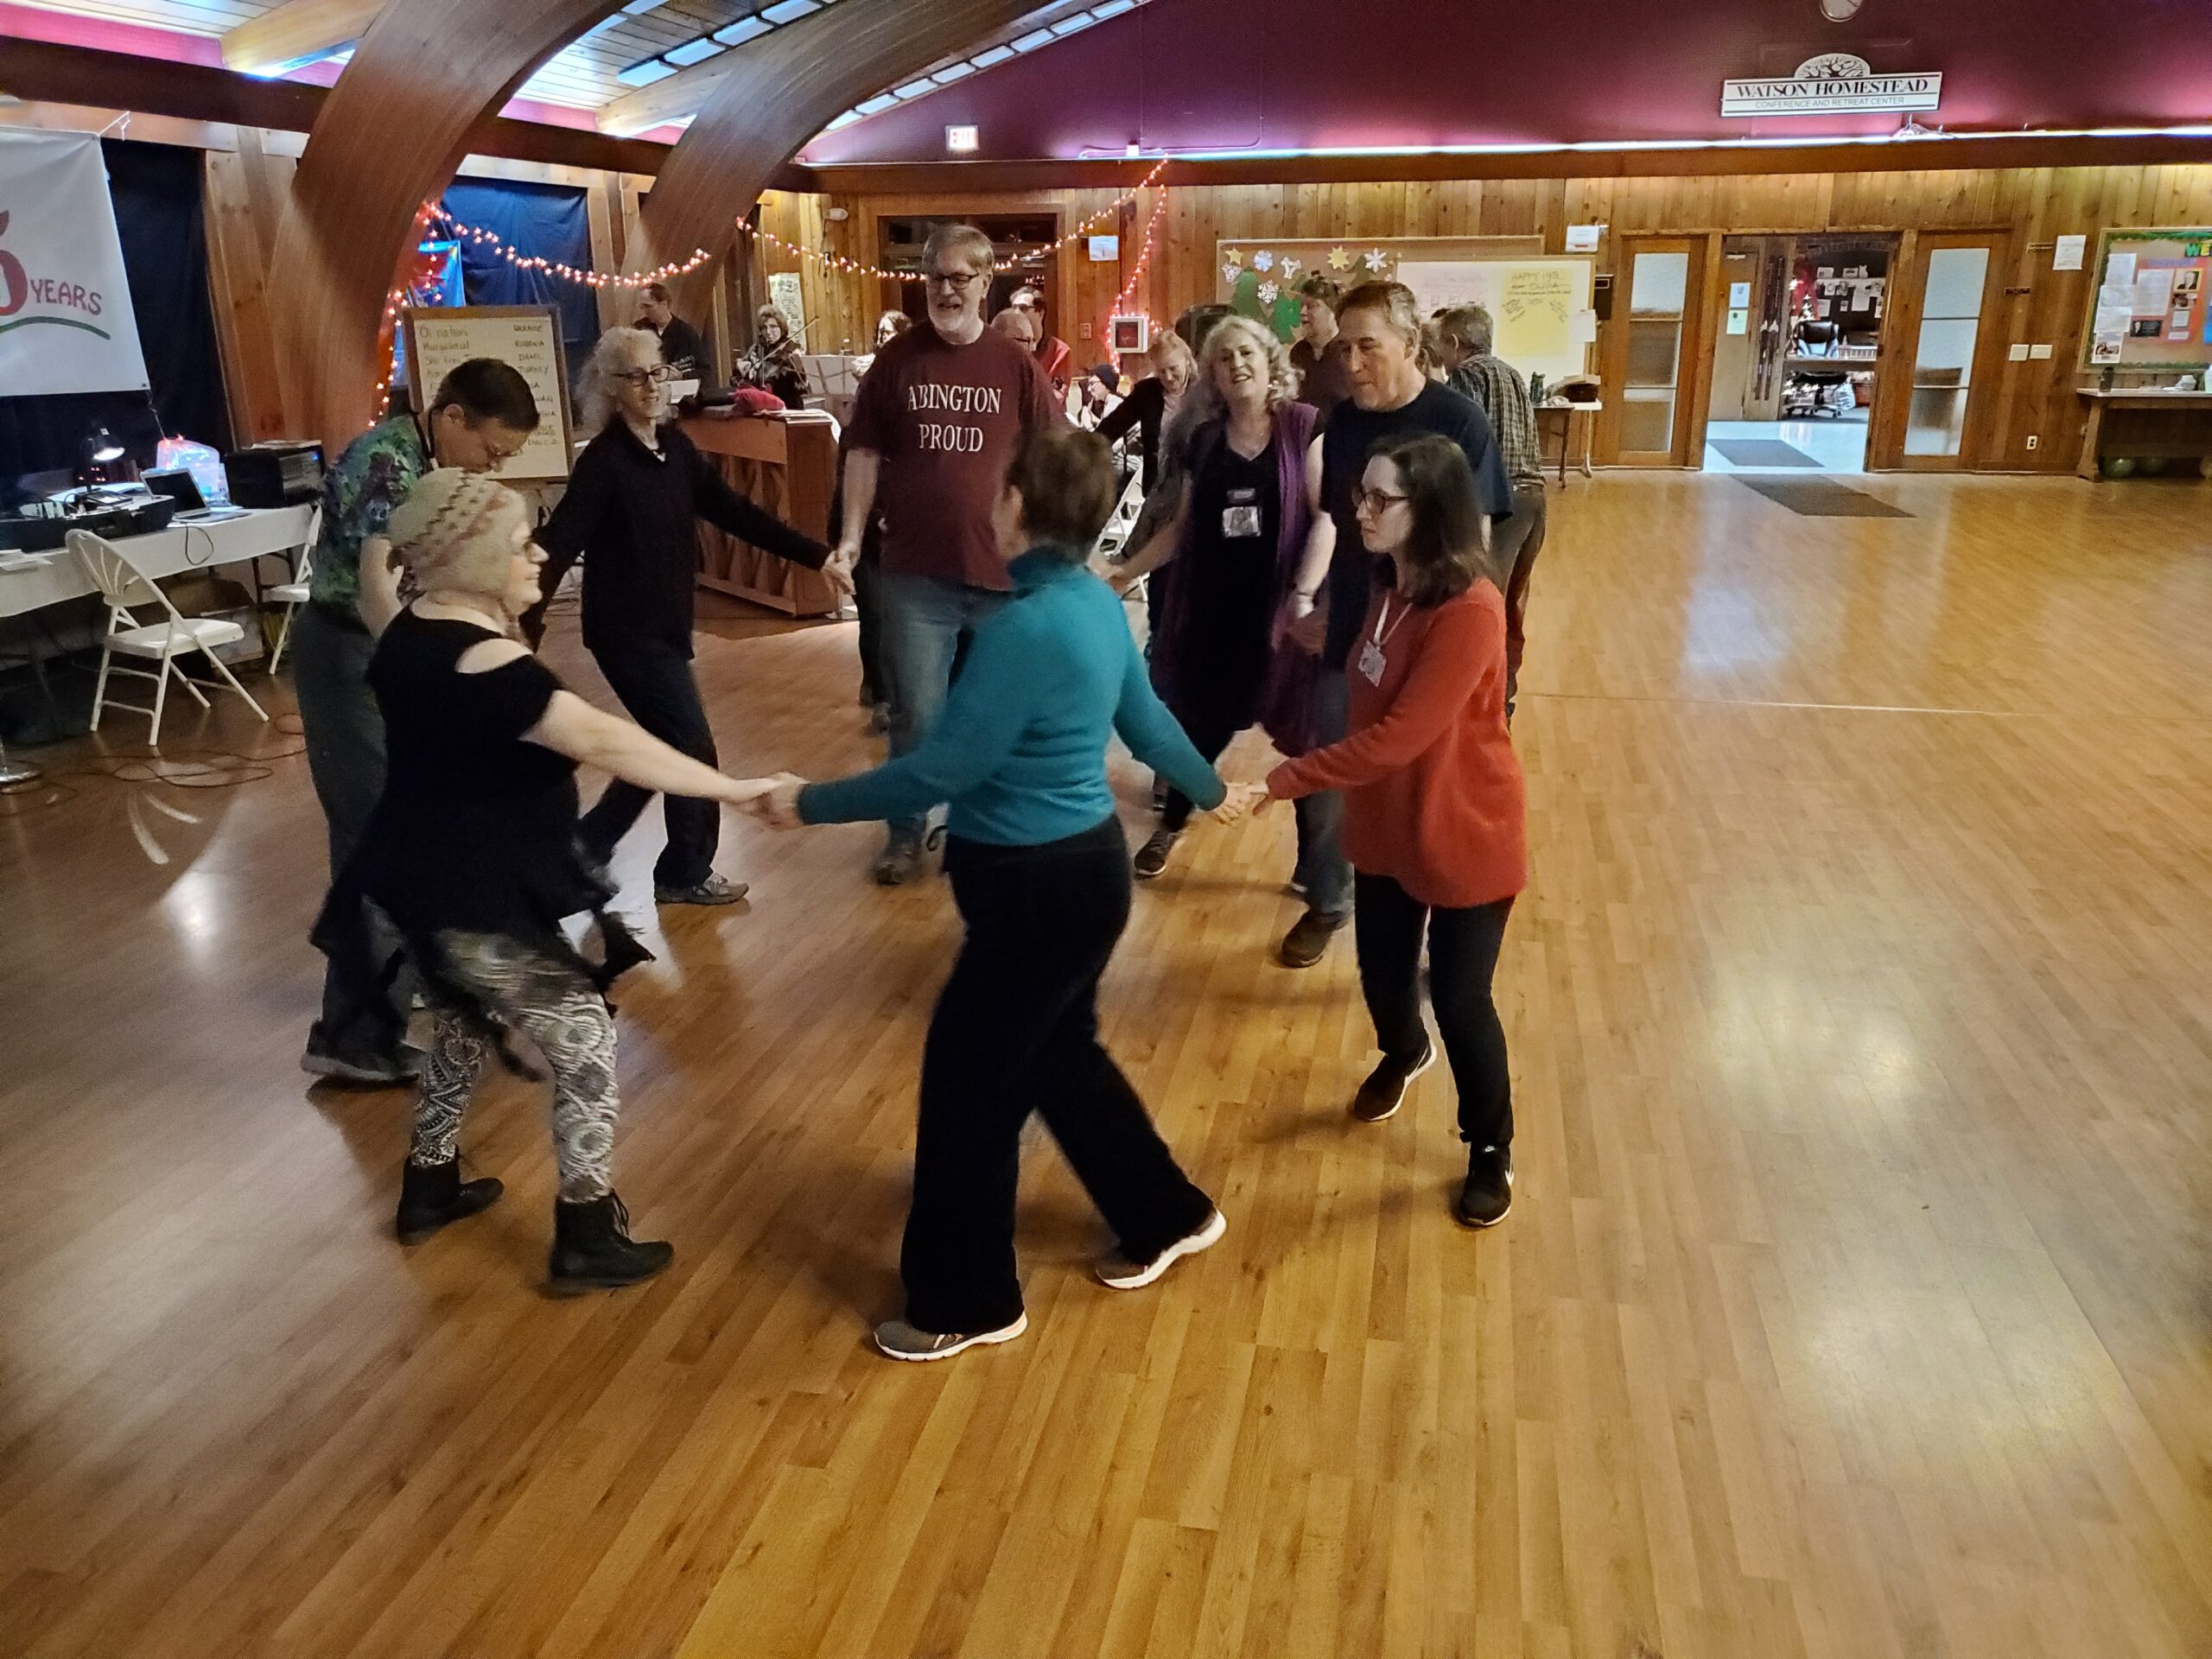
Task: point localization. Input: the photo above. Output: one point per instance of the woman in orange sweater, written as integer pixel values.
(1435, 820)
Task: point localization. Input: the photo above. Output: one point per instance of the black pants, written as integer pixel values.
(1211, 733)
(1462, 945)
(363, 1018)
(655, 682)
(1016, 1031)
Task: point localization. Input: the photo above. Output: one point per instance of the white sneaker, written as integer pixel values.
(1119, 1273)
(896, 1339)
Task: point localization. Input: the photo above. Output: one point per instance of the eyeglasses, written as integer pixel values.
(1376, 501)
(647, 377)
(959, 281)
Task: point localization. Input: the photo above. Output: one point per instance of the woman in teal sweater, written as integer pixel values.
(1040, 872)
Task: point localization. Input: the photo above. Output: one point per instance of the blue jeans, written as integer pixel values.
(919, 627)
(1321, 865)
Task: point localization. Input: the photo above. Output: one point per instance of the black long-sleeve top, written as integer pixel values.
(1141, 409)
(631, 511)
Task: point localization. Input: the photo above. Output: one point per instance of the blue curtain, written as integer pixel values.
(545, 221)
(156, 192)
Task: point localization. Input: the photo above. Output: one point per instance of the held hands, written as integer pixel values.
(1243, 799)
(777, 806)
(837, 570)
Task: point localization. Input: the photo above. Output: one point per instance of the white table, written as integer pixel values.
(1568, 411)
(261, 531)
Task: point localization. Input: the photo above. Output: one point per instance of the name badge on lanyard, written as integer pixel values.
(1371, 659)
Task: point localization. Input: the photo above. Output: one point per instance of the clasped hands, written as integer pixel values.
(1241, 799)
(772, 800)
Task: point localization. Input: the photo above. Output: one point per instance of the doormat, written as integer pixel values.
(1821, 497)
(1765, 452)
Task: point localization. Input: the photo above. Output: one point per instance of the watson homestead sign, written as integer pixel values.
(1836, 83)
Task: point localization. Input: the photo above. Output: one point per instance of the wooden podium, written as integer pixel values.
(790, 467)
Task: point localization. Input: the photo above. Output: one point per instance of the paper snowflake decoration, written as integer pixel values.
(1339, 260)
(1230, 273)
(1291, 267)
(1263, 260)
(1235, 256)
(1375, 261)
(1269, 293)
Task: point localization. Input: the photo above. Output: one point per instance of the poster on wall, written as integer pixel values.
(65, 322)
(527, 338)
(784, 295)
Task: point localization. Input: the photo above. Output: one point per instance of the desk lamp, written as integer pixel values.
(97, 455)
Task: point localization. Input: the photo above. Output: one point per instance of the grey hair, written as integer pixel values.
(1396, 304)
(616, 349)
(1282, 379)
(964, 240)
(1471, 327)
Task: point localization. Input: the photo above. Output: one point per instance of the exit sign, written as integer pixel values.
(962, 141)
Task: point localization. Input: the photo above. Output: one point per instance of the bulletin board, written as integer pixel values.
(1541, 304)
(2152, 307)
(441, 337)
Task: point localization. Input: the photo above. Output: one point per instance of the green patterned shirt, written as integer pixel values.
(371, 477)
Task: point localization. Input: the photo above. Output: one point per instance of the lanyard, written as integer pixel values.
(1384, 626)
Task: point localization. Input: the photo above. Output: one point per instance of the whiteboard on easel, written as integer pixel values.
(1540, 309)
(440, 339)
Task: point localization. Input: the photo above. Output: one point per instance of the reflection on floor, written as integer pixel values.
(1818, 445)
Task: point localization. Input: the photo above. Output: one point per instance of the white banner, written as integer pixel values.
(65, 322)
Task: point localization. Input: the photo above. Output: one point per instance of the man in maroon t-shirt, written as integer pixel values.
(935, 423)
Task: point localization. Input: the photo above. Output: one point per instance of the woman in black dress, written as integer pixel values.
(1222, 658)
(472, 855)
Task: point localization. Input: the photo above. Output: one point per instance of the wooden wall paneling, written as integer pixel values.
(603, 215)
(237, 230)
(1885, 420)
(1701, 334)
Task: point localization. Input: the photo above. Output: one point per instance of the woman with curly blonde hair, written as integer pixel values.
(1222, 656)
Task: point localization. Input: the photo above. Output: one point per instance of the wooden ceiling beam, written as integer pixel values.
(296, 32)
(39, 72)
(782, 90)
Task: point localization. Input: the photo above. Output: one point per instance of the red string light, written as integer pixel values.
(1136, 273)
(849, 267)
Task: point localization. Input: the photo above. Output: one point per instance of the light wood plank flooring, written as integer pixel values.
(1853, 1304)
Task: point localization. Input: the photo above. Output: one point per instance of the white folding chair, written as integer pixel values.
(123, 585)
(295, 593)
(1114, 537)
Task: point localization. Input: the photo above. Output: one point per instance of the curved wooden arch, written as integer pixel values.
(785, 89)
(391, 134)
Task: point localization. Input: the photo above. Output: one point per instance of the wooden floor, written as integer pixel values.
(1853, 1305)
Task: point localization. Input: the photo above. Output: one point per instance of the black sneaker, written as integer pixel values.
(1152, 857)
(1307, 942)
(1384, 1091)
(1488, 1193)
(364, 1071)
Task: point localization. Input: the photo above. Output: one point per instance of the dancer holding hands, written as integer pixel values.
(1435, 819)
(1040, 872)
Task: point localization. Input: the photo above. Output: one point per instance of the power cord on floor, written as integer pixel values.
(189, 769)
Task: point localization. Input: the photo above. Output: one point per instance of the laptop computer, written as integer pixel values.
(192, 508)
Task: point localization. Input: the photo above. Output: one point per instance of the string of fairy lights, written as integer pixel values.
(851, 267)
(433, 217)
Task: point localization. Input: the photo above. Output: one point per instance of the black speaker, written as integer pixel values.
(1601, 296)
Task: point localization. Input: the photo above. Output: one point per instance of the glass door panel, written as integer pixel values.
(1943, 365)
(1661, 286)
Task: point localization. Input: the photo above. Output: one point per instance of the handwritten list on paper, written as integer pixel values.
(441, 341)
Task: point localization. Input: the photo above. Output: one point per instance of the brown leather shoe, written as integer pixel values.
(1384, 1091)
(1307, 942)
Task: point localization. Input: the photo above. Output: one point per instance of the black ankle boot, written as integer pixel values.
(436, 1196)
(592, 1249)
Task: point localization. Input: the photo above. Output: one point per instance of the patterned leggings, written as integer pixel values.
(558, 1009)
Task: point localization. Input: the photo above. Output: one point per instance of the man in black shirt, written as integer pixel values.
(681, 348)
(1380, 328)
(633, 502)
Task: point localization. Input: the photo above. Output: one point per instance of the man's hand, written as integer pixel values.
(837, 568)
(1311, 630)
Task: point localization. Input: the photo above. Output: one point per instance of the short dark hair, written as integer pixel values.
(1066, 478)
(1444, 549)
(1314, 286)
(655, 291)
(485, 388)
